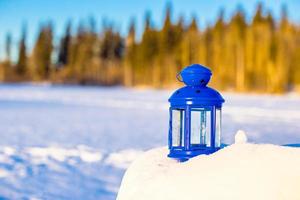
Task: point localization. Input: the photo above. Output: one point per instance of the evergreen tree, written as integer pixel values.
(8, 47)
(262, 37)
(237, 34)
(112, 45)
(285, 47)
(147, 69)
(170, 40)
(21, 66)
(6, 64)
(63, 55)
(130, 53)
(168, 36)
(180, 30)
(81, 52)
(42, 52)
(217, 51)
(111, 54)
(191, 44)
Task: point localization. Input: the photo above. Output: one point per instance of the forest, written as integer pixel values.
(257, 55)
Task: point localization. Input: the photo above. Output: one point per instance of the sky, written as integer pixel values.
(15, 14)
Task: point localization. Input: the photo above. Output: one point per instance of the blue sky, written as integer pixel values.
(33, 12)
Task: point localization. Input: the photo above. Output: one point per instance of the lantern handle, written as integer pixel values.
(177, 77)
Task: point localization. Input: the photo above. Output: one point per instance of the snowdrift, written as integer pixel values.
(239, 171)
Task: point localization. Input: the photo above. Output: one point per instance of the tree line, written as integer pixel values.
(261, 54)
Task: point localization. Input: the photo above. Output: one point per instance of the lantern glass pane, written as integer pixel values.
(200, 127)
(218, 127)
(177, 128)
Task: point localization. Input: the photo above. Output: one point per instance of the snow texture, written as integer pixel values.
(240, 137)
(71, 142)
(240, 171)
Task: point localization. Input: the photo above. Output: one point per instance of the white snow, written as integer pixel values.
(4, 173)
(240, 137)
(61, 154)
(240, 171)
(123, 158)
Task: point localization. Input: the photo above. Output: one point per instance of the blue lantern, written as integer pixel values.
(195, 115)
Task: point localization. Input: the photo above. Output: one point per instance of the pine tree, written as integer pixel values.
(295, 62)
(147, 69)
(237, 34)
(112, 45)
(261, 36)
(180, 30)
(21, 66)
(81, 53)
(130, 60)
(217, 51)
(169, 42)
(64, 48)
(92, 50)
(6, 64)
(191, 44)
(111, 55)
(87, 41)
(285, 48)
(8, 48)
(42, 53)
(75, 68)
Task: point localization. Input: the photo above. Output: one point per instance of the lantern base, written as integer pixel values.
(184, 155)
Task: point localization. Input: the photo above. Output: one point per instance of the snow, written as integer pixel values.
(71, 142)
(240, 171)
(61, 154)
(240, 137)
(123, 158)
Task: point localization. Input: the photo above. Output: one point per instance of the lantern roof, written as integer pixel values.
(196, 77)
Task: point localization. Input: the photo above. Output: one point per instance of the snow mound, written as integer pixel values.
(240, 137)
(240, 171)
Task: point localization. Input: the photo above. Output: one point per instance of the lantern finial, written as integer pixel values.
(196, 75)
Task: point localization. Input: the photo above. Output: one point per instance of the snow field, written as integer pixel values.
(71, 142)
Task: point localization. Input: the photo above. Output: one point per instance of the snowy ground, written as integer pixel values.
(67, 142)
